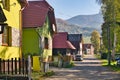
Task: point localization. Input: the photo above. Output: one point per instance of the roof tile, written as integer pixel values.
(35, 13)
(60, 41)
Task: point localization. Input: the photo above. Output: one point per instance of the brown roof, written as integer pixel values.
(24, 3)
(60, 41)
(34, 15)
(75, 39)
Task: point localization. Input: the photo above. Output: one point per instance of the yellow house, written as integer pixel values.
(10, 39)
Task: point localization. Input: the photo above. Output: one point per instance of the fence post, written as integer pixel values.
(19, 65)
(15, 65)
(0, 66)
(29, 67)
(23, 62)
(12, 65)
(26, 66)
(4, 66)
(8, 66)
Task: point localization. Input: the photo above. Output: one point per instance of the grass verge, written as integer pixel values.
(113, 65)
(41, 75)
(70, 65)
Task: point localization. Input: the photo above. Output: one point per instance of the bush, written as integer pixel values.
(50, 73)
(55, 64)
(40, 75)
(103, 55)
(68, 64)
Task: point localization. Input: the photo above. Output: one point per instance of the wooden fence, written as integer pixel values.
(16, 66)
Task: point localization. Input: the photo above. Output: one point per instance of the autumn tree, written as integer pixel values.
(95, 40)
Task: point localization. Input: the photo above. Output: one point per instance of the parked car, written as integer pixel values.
(78, 58)
(117, 59)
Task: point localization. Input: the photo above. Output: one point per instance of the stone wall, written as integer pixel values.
(15, 37)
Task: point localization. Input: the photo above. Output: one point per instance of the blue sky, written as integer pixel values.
(66, 9)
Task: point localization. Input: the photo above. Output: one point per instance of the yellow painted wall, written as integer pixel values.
(12, 15)
(13, 20)
(9, 52)
(47, 52)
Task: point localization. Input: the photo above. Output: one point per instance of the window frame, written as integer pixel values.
(46, 43)
(6, 4)
(6, 36)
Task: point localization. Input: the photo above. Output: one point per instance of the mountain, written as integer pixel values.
(87, 20)
(84, 24)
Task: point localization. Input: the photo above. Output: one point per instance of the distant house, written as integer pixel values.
(88, 48)
(61, 44)
(38, 28)
(76, 40)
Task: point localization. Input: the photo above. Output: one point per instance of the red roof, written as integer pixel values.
(35, 13)
(60, 41)
(69, 45)
(87, 45)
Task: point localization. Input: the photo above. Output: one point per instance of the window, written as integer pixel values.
(46, 43)
(6, 36)
(6, 4)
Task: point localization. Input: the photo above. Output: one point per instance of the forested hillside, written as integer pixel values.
(84, 24)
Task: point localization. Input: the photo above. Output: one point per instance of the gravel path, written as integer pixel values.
(88, 69)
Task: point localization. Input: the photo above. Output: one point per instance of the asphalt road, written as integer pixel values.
(88, 69)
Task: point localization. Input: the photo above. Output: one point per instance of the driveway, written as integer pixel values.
(88, 69)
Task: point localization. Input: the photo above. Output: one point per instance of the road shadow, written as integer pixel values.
(88, 69)
(90, 59)
(88, 62)
(86, 73)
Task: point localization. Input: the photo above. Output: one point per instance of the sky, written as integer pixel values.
(66, 9)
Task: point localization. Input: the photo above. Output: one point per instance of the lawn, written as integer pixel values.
(113, 65)
(41, 75)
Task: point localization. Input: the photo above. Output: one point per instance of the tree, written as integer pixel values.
(95, 40)
(111, 14)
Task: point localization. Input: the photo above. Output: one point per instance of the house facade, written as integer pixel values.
(76, 40)
(61, 44)
(38, 28)
(88, 49)
(10, 36)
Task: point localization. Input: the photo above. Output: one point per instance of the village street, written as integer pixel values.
(89, 69)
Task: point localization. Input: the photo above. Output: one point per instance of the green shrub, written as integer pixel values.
(55, 64)
(68, 64)
(49, 73)
(103, 55)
